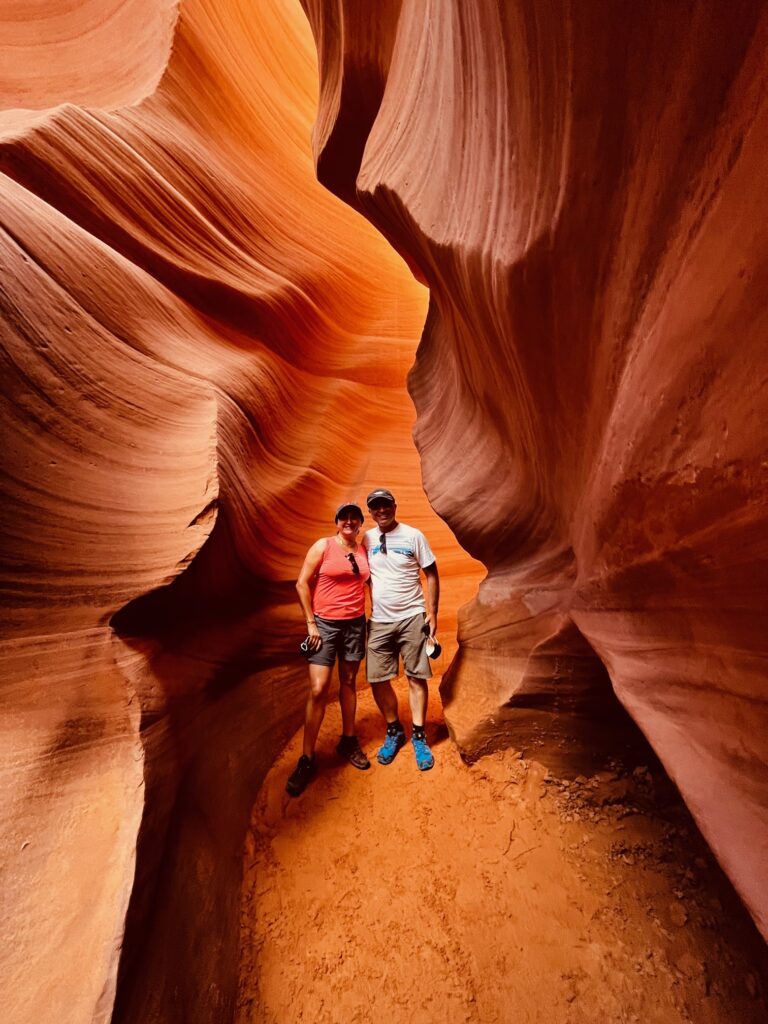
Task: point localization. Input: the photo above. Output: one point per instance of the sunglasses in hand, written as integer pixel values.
(305, 647)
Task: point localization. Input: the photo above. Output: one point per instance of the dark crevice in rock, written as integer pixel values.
(220, 695)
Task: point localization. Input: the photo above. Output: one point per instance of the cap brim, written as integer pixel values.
(345, 508)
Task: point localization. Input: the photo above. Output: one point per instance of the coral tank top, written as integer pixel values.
(339, 592)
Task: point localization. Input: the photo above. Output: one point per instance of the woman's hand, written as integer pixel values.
(314, 640)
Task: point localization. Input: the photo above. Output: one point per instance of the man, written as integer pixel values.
(401, 624)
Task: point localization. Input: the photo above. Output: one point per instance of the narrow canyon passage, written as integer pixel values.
(507, 259)
(489, 893)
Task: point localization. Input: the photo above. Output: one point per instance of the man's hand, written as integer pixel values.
(431, 622)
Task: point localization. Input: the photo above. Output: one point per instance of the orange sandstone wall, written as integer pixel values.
(204, 351)
(582, 186)
(94, 52)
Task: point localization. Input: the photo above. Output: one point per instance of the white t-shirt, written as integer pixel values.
(395, 582)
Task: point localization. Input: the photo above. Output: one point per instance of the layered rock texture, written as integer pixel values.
(582, 187)
(204, 351)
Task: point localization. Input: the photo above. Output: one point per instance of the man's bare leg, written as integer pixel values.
(386, 700)
(418, 694)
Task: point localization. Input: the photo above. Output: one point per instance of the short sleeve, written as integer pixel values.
(424, 555)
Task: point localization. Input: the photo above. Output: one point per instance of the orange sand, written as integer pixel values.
(488, 893)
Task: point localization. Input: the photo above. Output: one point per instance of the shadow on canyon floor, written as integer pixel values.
(490, 892)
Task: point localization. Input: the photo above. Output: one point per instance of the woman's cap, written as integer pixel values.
(349, 505)
(378, 494)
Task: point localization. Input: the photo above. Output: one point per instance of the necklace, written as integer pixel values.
(349, 547)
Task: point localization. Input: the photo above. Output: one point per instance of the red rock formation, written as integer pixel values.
(582, 187)
(95, 52)
(203, 352)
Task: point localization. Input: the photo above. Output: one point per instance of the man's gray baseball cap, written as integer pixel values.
(380, 494)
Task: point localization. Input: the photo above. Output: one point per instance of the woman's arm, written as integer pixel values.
(308, 571)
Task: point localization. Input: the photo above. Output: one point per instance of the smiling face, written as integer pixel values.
(383, 513)
(348, 524)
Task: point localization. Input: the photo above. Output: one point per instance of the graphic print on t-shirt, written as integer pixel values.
(408, 552)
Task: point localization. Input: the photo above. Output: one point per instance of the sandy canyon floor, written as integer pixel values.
(488, 894)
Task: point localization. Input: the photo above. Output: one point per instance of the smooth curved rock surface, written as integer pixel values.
(204, 351)
(104, 53)
(582, 187)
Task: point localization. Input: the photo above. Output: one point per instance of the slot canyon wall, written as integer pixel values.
(204, 352)
(582, 187)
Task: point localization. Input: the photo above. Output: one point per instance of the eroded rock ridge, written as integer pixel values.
(582, 188)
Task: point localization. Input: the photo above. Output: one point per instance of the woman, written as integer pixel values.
(335, 612)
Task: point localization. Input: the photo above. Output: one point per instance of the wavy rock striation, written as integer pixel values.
(203, 352)
(95, 52)
(582, 188)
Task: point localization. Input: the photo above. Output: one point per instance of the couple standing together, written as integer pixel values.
(331, 589)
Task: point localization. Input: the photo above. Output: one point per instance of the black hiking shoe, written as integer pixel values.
(302, 775)
(349, 748)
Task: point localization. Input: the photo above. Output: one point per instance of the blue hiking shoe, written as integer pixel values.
(390, 747)
(424, 758)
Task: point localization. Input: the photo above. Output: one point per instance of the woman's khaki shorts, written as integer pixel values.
(387, 641)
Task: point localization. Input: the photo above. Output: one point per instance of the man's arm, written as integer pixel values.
(433, 598)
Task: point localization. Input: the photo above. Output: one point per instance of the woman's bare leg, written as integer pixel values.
(319, 681)
(348, 695)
